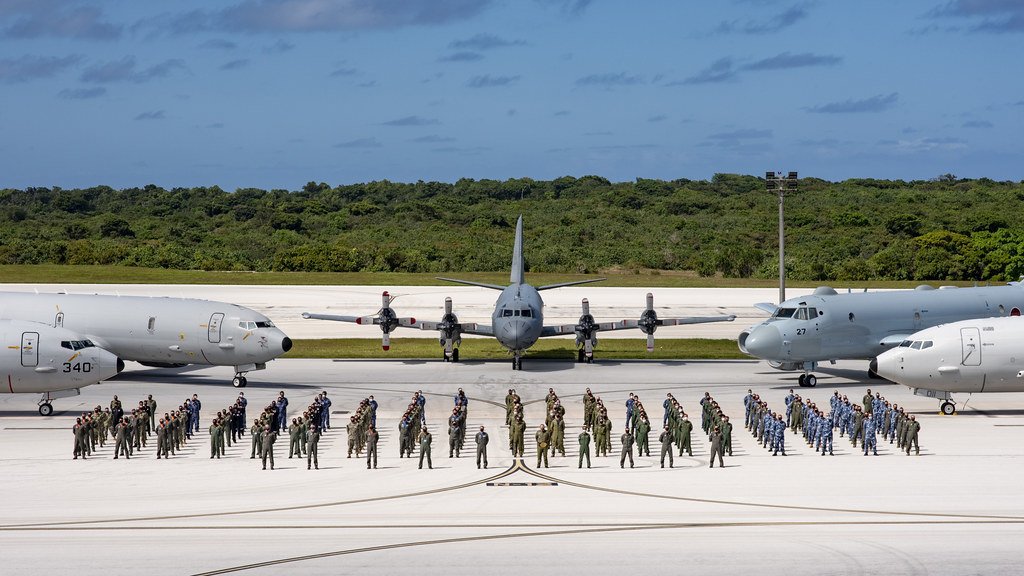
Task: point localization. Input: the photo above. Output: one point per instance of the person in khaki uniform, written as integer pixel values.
(371, 446)
(912, 428)
(542, 445)
(312, 447)
(294, 436)
(715, 438)
(269, 437)
(627, 440)
(584, 440)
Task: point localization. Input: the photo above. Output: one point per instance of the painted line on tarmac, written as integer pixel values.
(607, 529)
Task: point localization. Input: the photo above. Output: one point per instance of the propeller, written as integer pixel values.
(387, 319)
(450, 329)
(649, 322)
(586, 330)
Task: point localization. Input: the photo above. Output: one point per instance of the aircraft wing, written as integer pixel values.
(571, 329)
(334, 317)
(466, 328)
(766, 307)
(626, 324)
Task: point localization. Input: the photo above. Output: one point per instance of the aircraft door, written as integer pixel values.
(214, 327)
(971, 342)
(58, 321)
(30, 349)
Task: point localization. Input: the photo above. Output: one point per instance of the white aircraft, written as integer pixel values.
(973, 356)
(159, 332)
(54, 361)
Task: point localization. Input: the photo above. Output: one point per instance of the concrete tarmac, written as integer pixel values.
(955, 509)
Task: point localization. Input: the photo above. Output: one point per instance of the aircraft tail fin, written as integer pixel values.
(518, 267)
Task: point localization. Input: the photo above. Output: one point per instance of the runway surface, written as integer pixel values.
(957, 508)
(285, 305)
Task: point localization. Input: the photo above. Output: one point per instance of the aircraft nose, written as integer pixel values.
(888, 364)
(286, 344)
(764, 342)
(110, 365)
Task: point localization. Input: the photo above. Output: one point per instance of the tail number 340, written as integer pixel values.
(77, 367)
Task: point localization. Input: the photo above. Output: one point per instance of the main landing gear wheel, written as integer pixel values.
(802, 380)
(455, 355)
(580, 358)
(45, 409)
(947, 408)
(517, 363)
(239, 382)
(811, 380)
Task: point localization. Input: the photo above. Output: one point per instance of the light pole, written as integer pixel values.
(776, 181)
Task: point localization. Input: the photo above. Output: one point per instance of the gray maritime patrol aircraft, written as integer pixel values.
(54, 361)
(828, 326)
(157, 331)
(518, 319)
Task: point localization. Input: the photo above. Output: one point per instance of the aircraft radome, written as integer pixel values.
(828, 326)
(158, 331)
(37, 358)
(518, 318)
(974, 356)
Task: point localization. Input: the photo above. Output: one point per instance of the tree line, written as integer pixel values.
(858, 229)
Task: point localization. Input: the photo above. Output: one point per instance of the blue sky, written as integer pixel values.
(275, 93)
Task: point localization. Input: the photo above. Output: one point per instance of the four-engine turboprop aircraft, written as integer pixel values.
(827, 326)
(973, 356)
(54, 361)
(518, 319)
(158, 332)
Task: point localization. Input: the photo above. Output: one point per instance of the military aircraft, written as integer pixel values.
(54, 361)
(518, 319)
(158, 332)
(973, 356)
(828, 326)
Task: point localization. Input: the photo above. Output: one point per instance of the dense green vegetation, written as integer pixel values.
(947, 229)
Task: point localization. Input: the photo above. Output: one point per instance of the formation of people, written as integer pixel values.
(862, 423)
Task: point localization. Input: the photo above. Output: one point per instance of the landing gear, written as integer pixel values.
(517, 362)
(455, 355)
(948, 408)
(580, 356)
(808, 380)
(239, 381)
(45, 409)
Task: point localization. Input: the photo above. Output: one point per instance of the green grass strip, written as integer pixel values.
(481, 348)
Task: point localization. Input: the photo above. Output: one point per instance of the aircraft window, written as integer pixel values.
(247, 325)
(801, 314)
(784, 312)
(506, 313)
(267, 324)
(812, 313)
(852, 317)
(926, 344)
(76, 344)
(152, 323)
(526, 313)
(916, 345)
(905, 344)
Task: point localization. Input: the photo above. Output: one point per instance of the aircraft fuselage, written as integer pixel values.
(518, 317)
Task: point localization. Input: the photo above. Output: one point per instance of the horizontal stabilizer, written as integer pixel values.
(573, 283)
(472, 283)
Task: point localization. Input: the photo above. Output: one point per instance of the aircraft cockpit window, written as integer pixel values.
(916, 345)
(506, 313)
(926, 344)
(247, 325)
(812, 313)
(905, 344)
(801, 314)
(526, 313)
(267, 324)
(76, 344)
(784, 312)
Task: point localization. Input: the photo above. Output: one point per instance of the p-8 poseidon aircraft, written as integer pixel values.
(518, 319)
(158, 332)
(37, 358)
